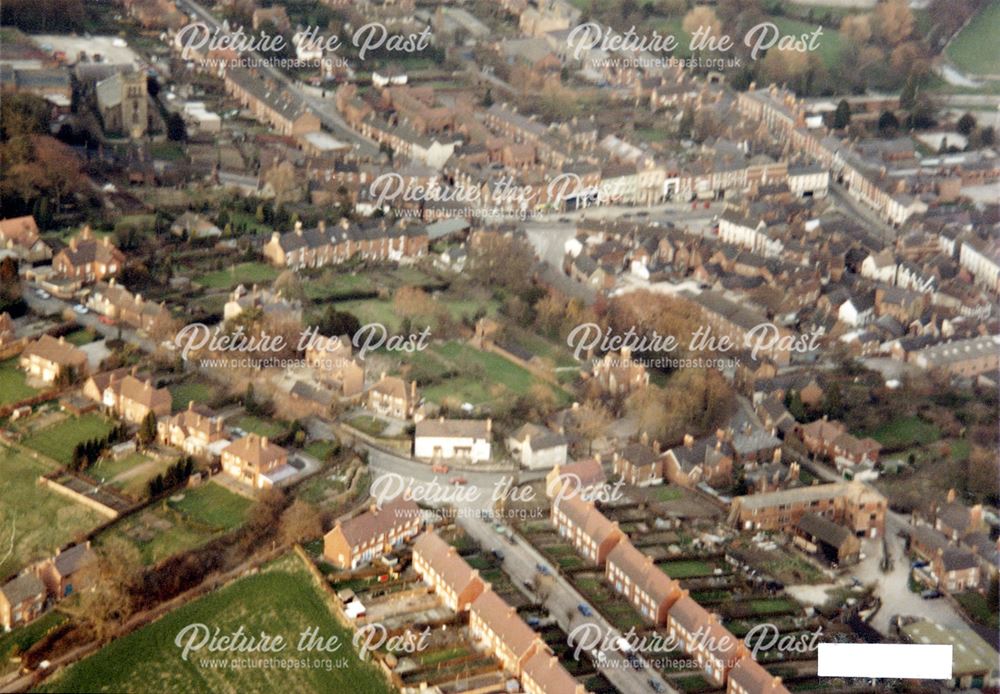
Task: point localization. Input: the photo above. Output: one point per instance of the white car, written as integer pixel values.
(81, 309)
(42, 294)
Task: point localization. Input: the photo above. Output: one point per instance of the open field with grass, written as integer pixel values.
(59, 440)
(189, 391)
(905, 432)
(687, 568)
(280, 600)
(241, 273)
(214, 505)
(81, 336)
(176, 526)
(258, 425)
(976, 49)
(39, 519)
(13, 387)
(22, 638)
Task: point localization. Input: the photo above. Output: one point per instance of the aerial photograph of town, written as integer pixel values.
(499, 346)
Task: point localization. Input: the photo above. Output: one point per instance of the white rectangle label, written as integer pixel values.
(885, 660)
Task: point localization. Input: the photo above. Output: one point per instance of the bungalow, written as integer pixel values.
(256, 461)
(21, 600)
(133, 400)
(544, 674)
(88, 259)
(638, 465)
(20, 235)
(356, 541)
(538, 448)
(453, 439)
(587, 529)
(585, 477)
(702, 636)
(62, 575)
(391, 397)
(748, 677)
(504, 633)
(51, 359)
(441, 567)
(192, 430)
(634, 575)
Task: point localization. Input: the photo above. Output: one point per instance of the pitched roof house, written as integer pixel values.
(701, 635)
(256, 461)
(505, 634)
(441, 567)
(133, 400)
(583, 478)
(538, 448)
(48, 358)
(639, 465)
(391, 397)
(587, 529)
(192, 430)
(20, 235)
(21, 600)
(544, 674)
(453, 439)
(88, 259)
(633, 574)
(61, 573)
(748, 677)
(356, 541)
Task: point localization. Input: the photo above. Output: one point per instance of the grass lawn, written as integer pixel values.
(773, 606)
(165, 529)
(976, 606)
(280, 600)
(59, 440)
(904, 432)
(664, 493)
(108, 468)
(372, 311)
(214, 505)
(320, 449)
(369, 425)
(12, 385)
(262, 427)
(976, 48)
(687, 568)
(40, 519)
(81, 336)
(829, 44)
(183, 393)
(21, 639)
(241, 273)
(331, 285)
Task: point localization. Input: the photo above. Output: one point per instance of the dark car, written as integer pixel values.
(931, 594)
(656, 686)
(585, 610)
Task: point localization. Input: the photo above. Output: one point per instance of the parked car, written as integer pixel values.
(656, 686)
(919, 564)
(542, 569)
(81, 309)
(585, 610)
(459, 480)
(439, 467)
(498, 554)
(42, 294)
(110, 321)
(931, 594)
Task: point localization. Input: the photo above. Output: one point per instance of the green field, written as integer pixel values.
(189, 391)
(134, 483)
(12, 385)
(280, 600)
(905, 432)
(976, 49)
(59, 440)
(241, 273)
(39, 519)
(686, 568)
(170, 527)
(331, 285)
(213, 505)
(483, 377)
(21, 639)
(260, 426)
(81, 336)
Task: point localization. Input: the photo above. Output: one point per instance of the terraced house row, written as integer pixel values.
(495, 623)
(322, 246)
(660, 600)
